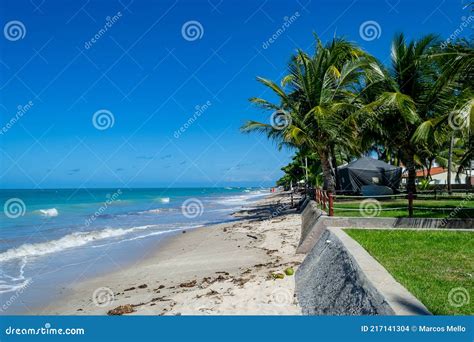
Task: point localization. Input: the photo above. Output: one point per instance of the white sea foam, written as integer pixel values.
(224, 210)
(234, 200)
(10, 283)
(241, 199)
(151, 234)
(163, 199)
(162, 232)
(68, 241)
(5, 287)
(151, 211)
(48, 212)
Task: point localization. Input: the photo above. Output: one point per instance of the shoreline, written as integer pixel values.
(223, 269)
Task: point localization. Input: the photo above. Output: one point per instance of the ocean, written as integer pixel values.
(51, 239)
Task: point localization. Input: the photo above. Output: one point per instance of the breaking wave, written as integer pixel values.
(68, 241)
(151, 211)
(48, 212)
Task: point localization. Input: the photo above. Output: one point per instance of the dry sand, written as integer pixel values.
(226, 269)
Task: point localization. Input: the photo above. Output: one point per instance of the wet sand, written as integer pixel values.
(235, 268)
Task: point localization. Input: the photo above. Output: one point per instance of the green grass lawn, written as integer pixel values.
(429, 264)
(465, 208)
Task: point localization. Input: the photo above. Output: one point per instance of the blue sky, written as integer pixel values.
(152, 78)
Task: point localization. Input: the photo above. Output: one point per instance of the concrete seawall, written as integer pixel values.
(339, 277)
(330, 282)
(314, 222)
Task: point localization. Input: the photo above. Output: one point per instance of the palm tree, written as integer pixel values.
(314, 99)
(296, 170)
(456, 124)
(416, 88)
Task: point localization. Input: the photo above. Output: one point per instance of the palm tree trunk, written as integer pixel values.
(410, 165)
(329, 183)
(450, 164)
(306, 173)
(334, 166)
(430, 165)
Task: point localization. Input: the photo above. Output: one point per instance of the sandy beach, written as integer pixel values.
(236, 268)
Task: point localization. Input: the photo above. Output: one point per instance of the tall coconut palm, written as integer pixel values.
(314, 99)
(455, 130)
(409, 93)
(456, 123)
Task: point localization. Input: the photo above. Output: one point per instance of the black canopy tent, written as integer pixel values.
(368, 172)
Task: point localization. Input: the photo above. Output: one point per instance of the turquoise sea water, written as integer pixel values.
(51, 239)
